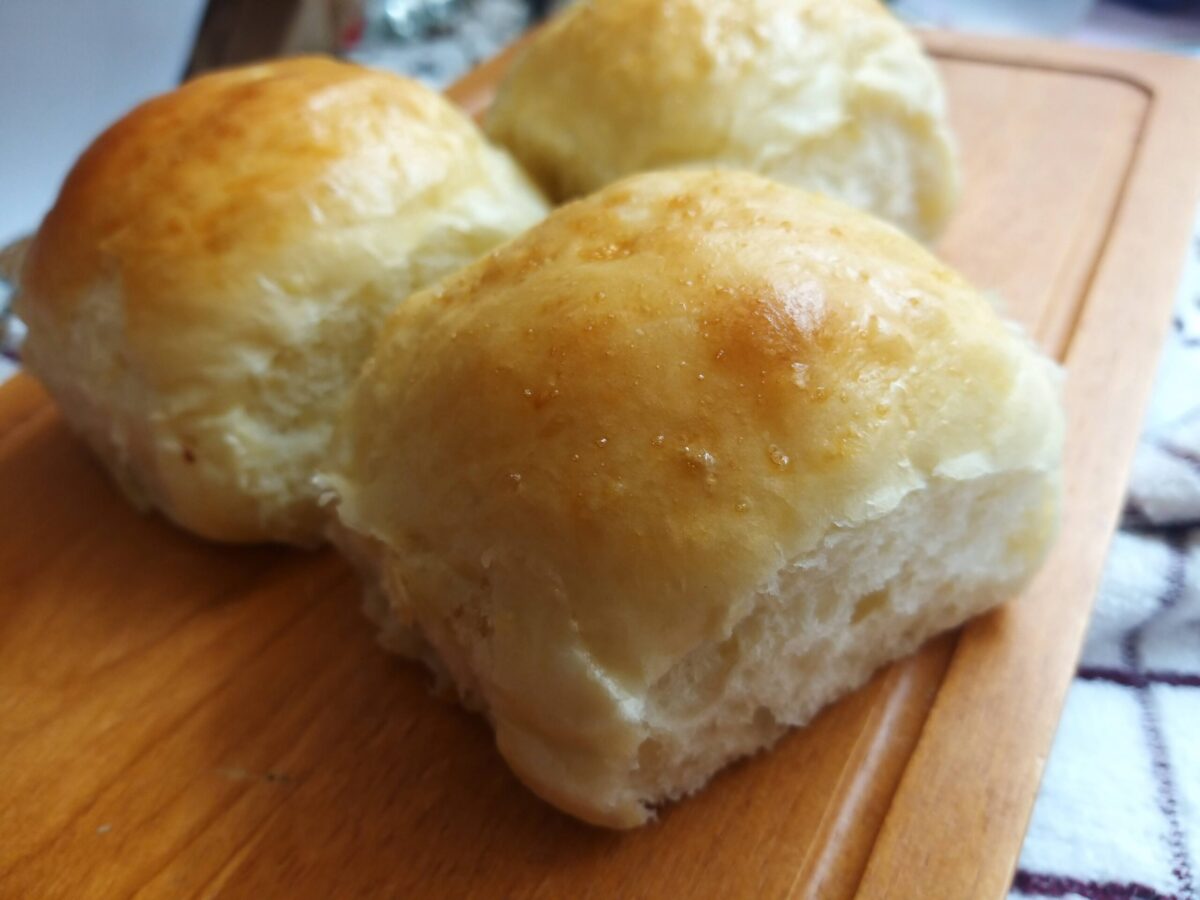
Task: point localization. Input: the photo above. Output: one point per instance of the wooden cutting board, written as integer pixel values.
(182, 719)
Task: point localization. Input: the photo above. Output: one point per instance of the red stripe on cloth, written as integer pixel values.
(1039, 884)
(1183, 454)
(1138, 679)
(1160, 762)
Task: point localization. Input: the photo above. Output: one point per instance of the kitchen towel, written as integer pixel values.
(1118, 815)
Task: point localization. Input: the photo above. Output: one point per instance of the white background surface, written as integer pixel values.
(67, 69)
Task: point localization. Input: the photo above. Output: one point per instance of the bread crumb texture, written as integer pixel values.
(680, 465)
(217, 264)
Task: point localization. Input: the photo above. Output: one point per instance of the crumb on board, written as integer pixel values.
(237, 773)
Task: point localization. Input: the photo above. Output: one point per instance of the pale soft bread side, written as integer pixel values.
(681, 465)
(216, 266)
(831, 95)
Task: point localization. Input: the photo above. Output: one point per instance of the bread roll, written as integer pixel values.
(681, 465)
(832, 95)
(215, 268)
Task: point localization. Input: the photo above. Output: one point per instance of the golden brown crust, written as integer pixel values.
(229, 167)
(217, 262)
(832, 95)
(587, 452)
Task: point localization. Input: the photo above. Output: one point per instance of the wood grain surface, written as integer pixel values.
(181, 719)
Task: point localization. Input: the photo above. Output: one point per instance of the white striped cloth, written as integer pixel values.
(1118, 815)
